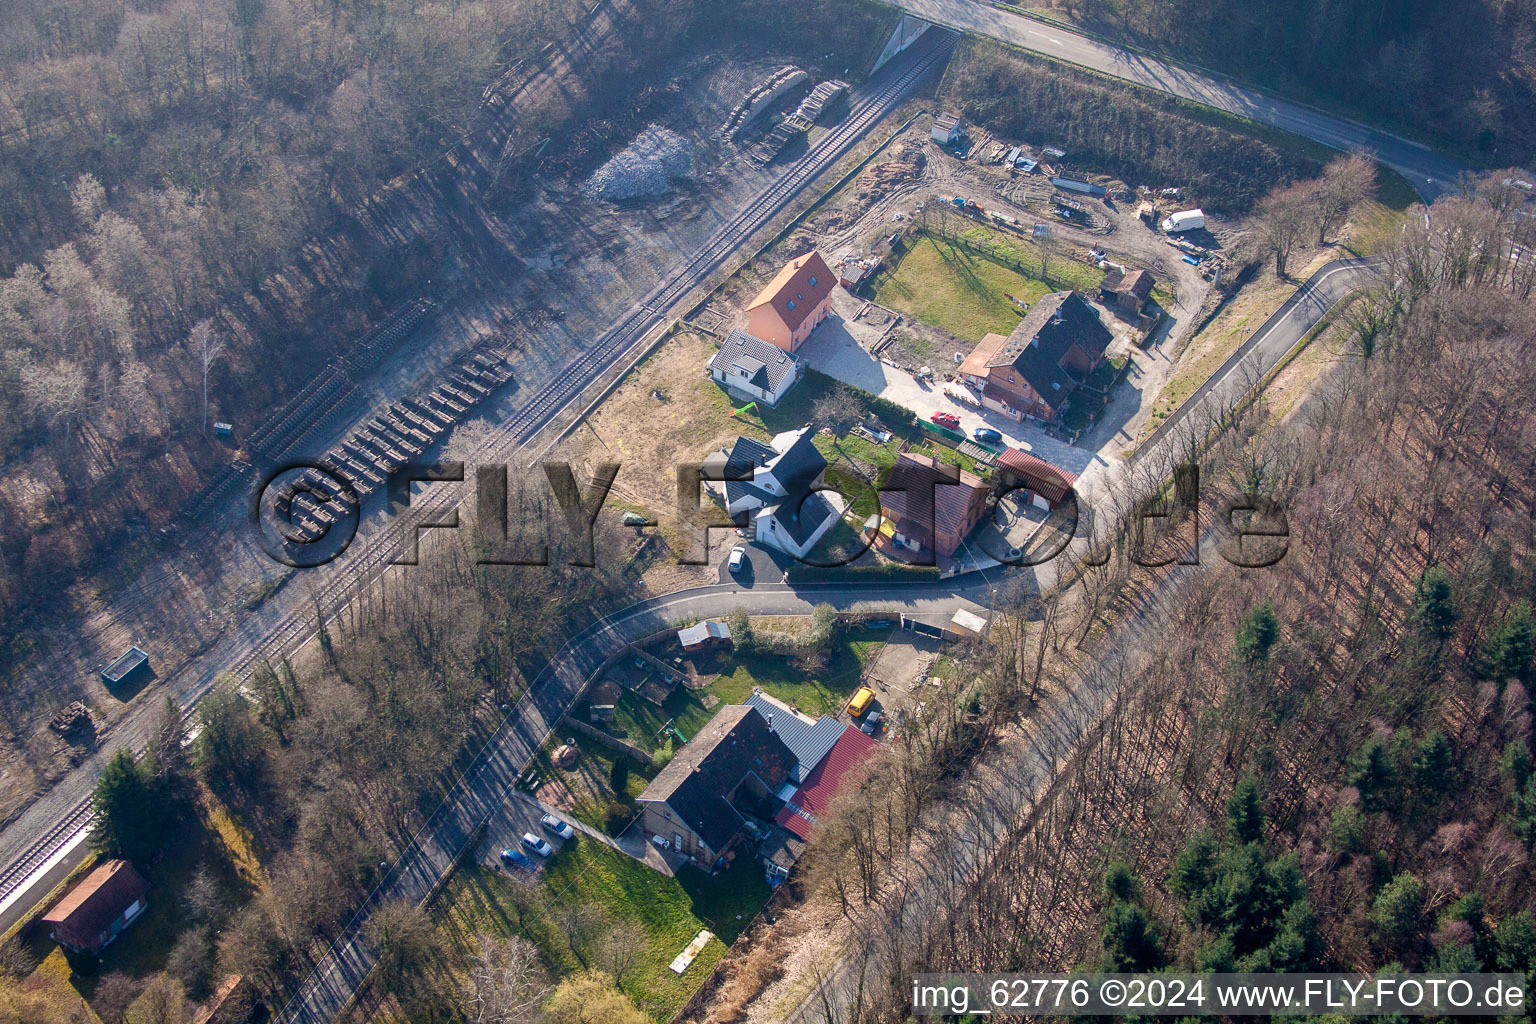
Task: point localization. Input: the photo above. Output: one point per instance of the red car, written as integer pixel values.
(946, 419)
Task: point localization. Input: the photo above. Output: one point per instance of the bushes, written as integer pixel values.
(1138, 136)
(617, 817)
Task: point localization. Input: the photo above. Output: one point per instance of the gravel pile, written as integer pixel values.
(646, 167)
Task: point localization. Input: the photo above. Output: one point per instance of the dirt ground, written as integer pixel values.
(542, 272)
(898, 674)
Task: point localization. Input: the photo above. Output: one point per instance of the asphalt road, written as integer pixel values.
(434, 849)
(1430, 173)
(1273, 339)
(1060, 723)
(480, 790)
(484, 785)
(47, 829)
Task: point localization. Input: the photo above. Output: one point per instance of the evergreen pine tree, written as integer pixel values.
(129, 813)
(1245, 813)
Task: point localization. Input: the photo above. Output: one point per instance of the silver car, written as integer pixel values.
(558, 827)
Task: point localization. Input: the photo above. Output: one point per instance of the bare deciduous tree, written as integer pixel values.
(206, 346)
(505, 983)
(1345, 183)
(1282, 221)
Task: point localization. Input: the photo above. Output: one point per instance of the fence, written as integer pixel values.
(608, 740)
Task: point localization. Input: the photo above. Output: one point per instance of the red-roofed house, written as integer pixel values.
(97, 910)
(1044, 484)
(790, 306)
(815, 794)
(928, 508)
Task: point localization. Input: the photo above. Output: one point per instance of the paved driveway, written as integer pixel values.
(520, 813)
(834, 351)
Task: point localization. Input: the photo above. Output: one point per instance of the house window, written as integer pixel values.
(813, 282)
(791, 303)
(799, 296)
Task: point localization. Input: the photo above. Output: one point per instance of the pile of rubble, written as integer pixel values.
(72, 719)
(646, 167)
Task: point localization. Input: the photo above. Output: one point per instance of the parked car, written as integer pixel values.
(738, 559)
(518, 859)
(987, 435)
(870, 724)
(537, 845)
(860, 702)
(560, 828)
(946, 419)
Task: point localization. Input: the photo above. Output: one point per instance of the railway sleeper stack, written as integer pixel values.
(409, 427)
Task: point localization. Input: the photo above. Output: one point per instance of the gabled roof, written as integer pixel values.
(801, 514)
(791, 293)
(798, 463)
(1040, 476)
(815, 795)
(701, 632)
(1051, 327)
(767, 365)
(699, 780)
(1138, 283)
(808, 739)
(927, 495)
(739, 460)
(100, 898)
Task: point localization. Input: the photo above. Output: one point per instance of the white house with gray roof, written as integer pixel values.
(750, 368)
(777, 484)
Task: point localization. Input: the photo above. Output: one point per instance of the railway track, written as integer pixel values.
(370, 560)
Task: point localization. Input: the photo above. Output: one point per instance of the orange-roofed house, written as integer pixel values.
(790, 306)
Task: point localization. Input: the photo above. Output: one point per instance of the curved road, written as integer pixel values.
(1063, 719)
(46, 840)
(1430, 173)
(484, 785)
(481, 789)
(1272, 340)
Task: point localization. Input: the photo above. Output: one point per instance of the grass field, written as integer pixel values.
(815, 692)
(479, 900)
(962, 285)
(952, 289)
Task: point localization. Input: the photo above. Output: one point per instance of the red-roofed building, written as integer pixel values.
(928, 507)
(1044, 484)
(815, 794)
(97, 910)
(790, 306)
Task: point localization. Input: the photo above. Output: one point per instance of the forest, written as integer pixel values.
(201, 203)
(1458, 73)
(1325, 764)
(323, 767)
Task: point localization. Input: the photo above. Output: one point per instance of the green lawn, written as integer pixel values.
(641, 721)
(961, 286)
(670, 910)
(952, 289)
(813, 691)
(589, 781)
